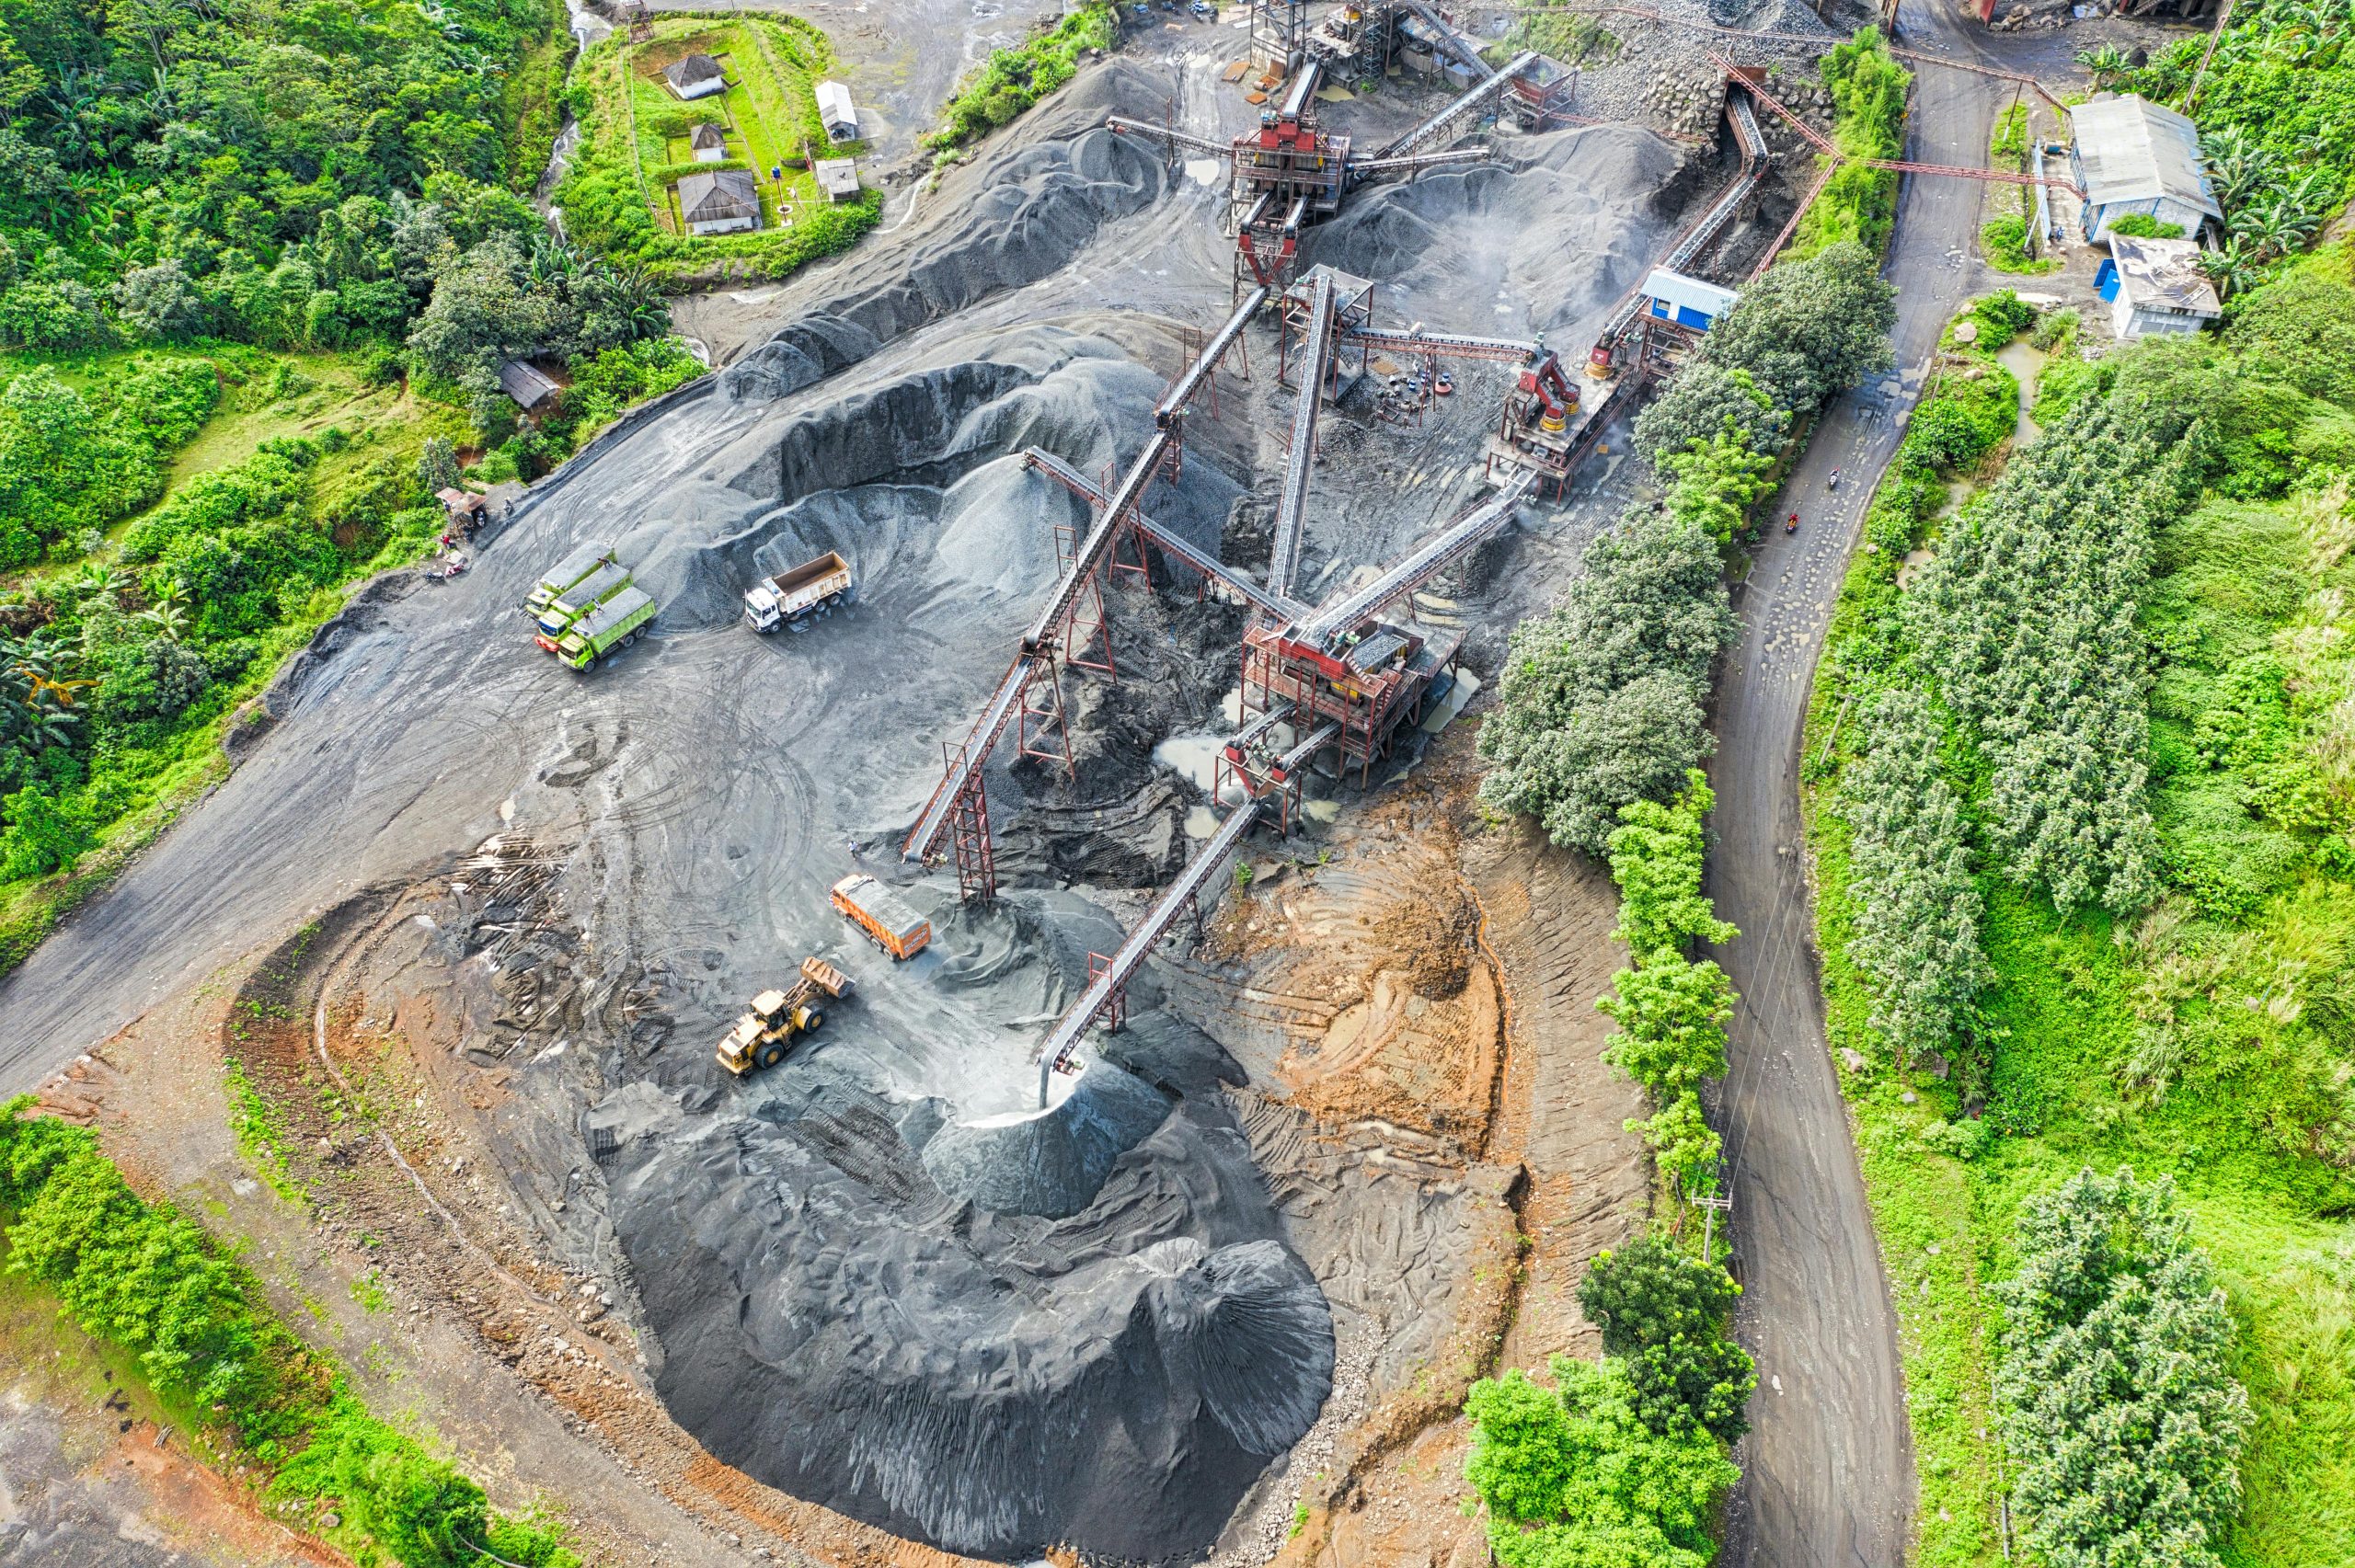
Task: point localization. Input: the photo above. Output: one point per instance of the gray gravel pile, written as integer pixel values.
(1542, 249)
(1039, 201)
(836, 1325)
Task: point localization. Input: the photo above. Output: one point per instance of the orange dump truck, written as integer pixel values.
(881, 913)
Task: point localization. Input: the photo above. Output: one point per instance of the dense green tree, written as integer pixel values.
(1602, 698)
(1917, 929)
(1664, 1315)
(1655, 858)
(1808, 330)
(1706, 400)
(2121, 1417)
(1714, 482)
(1573, 1478)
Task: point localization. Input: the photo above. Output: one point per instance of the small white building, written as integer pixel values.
(2155, 286)
(2131, 155)
(1691, 303)
(707, 144)
(838, 177)
(696, 76)
(837, 113)
(723, 202)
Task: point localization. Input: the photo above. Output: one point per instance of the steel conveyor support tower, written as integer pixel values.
(1042, 648)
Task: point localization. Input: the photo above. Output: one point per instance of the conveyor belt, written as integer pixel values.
(1003, 704)
(1463, 47)
(1464, 104)
(1121, 124)
(1446, 344)
(1055, 1051)
(1182, 392)
(1283, 556)
(1366, 168)
(1698, 236)
(1475, 525)
(1072, 479)
(1038, 642)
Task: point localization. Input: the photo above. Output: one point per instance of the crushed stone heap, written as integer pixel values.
(833, 1322)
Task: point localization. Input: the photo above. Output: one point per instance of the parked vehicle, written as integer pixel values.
(767, 1031)
(599, 587)
(887, 919)
(567, 572)
(791, 599)
(610, 627)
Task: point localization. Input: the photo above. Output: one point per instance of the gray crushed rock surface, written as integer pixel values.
(870, 1276)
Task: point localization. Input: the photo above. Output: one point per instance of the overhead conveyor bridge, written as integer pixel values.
(1479, 93)
(1291, 504)
(1168, 542)
(960, 777)
(1111, 981)
(1353, 610)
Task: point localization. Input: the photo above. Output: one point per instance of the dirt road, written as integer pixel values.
(1828, 1474)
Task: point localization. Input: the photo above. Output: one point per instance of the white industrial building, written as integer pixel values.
(2131, 156)
(836, 112)
(1691, 303)
(2155, 287)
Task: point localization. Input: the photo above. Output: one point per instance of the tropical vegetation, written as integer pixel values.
(1011, 80)
(1858, 204)
(2276, 107)
(145, 1277)
(2080, 817)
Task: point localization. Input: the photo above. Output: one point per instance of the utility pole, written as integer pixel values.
(1712, 1204)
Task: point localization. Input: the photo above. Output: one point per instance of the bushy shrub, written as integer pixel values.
(1664, 1316)
(2142, 225)
(1571, 1475)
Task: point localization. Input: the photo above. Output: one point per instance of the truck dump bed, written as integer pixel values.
(602, 620)
(808, 572)
(566, 573)
(599, 586)
(883, 915)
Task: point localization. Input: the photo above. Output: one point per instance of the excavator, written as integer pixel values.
(768, 1028)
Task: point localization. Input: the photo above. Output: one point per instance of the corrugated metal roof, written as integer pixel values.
(2131, 150)
(728, 193)
(526, 384)
(2163, 272)
(1697, 294)
(836, 176)
(834, 103)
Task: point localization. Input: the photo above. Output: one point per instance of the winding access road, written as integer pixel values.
(1828, 1470)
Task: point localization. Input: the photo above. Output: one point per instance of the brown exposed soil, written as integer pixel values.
(1418, 1003)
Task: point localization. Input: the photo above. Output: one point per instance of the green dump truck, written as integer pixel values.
(598, 588)
(612, 626)
(567, 573)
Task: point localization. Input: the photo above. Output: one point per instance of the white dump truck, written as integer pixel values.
(791, 599)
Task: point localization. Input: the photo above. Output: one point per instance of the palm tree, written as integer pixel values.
(2231, 268)
(2267, 228)
(2237, 164)
(2106, 64)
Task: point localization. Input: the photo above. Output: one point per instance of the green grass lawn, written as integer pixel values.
(635, 147)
